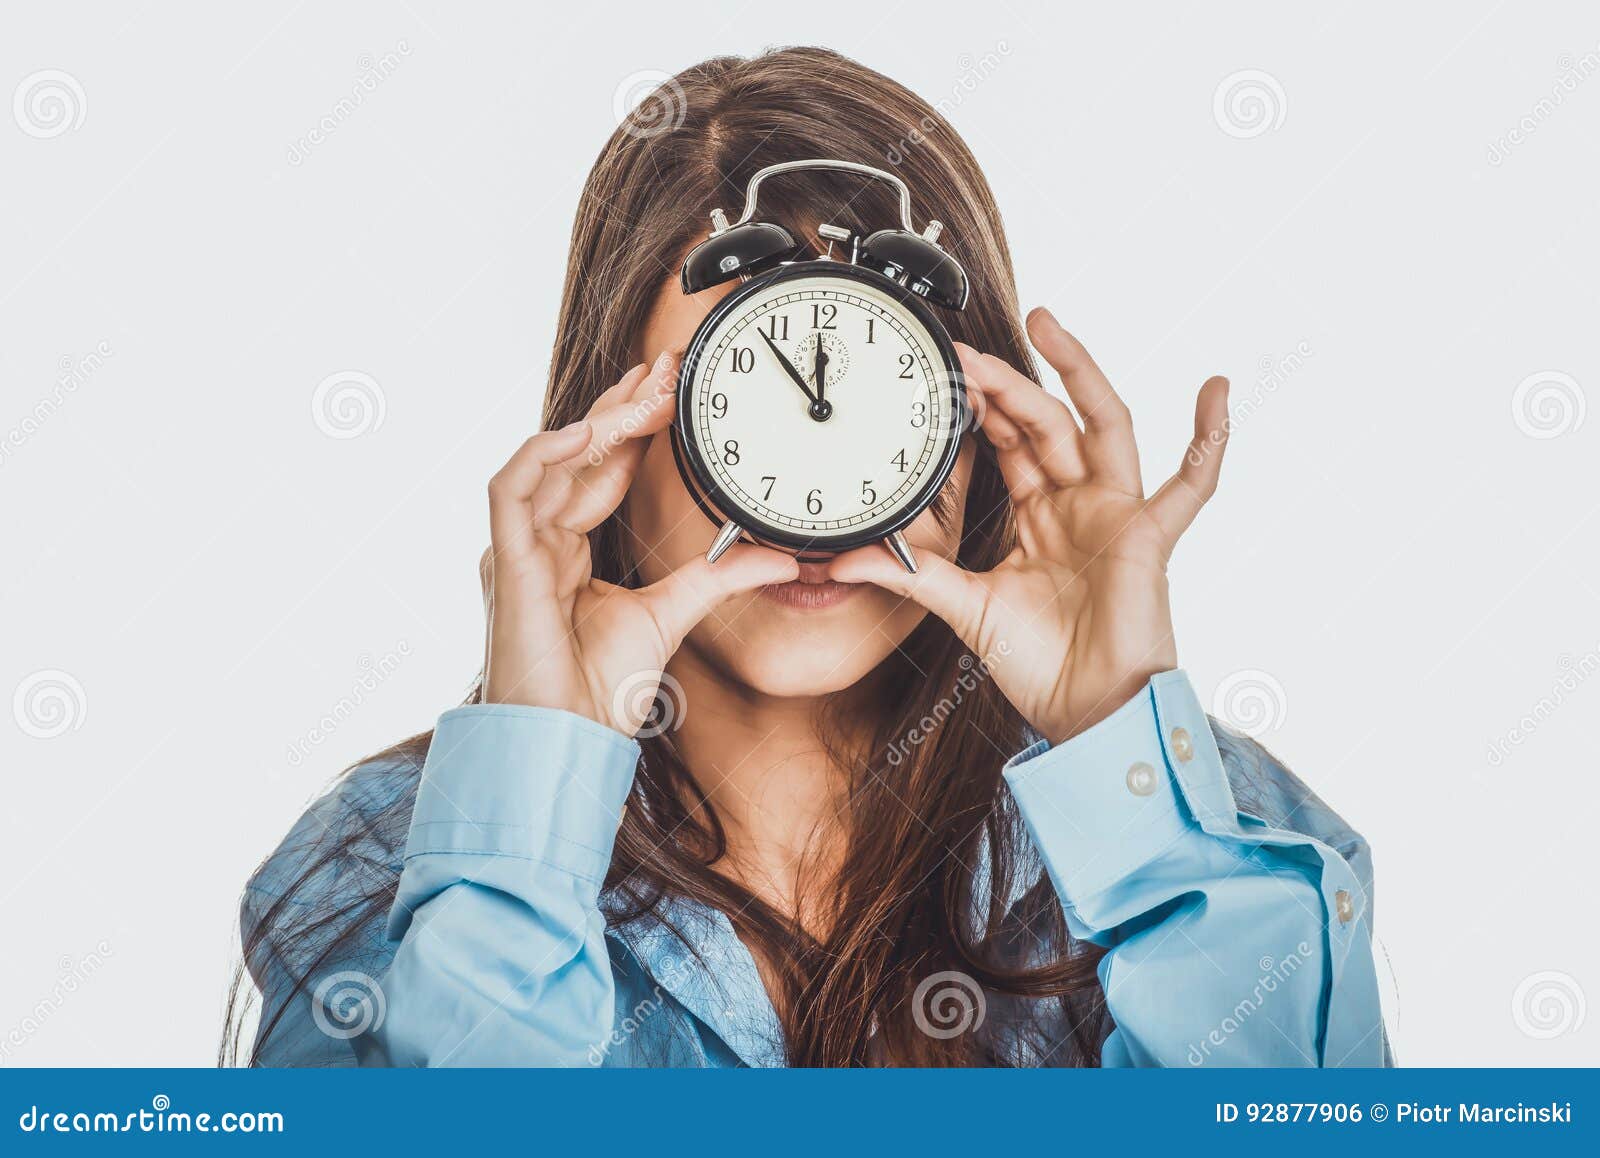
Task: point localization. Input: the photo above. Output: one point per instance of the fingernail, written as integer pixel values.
(1044, 313)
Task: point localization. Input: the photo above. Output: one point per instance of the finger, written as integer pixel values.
(511, 489)
(954, 594)
(684, 597)
(1049, 434)
(622, 387)
(1109, 447)
(595, 483)
(646, 407)
(1180, 498)
(636, 387)
(486, 577)
(619, 390)
(1013, 453)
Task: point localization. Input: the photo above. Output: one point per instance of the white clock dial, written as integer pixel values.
(886, 392)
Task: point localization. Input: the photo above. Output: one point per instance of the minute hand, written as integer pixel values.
(788, 368)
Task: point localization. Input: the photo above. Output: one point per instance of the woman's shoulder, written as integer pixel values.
(314, 911)
(328, 881)
(360, 821)
(1266, 791)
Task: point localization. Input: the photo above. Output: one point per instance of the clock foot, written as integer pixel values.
(727, 537)
(901, 550)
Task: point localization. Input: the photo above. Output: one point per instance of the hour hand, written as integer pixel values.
(819, 410)
(788, 368)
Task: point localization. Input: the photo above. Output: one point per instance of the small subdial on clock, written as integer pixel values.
(835, 353)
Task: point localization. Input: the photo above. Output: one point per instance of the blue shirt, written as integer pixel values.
(1234, 906)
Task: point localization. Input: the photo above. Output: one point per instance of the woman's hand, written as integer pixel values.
(558, 637)
(1076, 619)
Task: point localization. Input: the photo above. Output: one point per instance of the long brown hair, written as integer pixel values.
(936, 874)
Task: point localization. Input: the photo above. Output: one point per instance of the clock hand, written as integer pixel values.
(820, 370)
(789, 370)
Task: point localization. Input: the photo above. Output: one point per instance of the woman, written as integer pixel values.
(968, 816)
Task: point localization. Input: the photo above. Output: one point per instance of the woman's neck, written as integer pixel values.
(760, 762)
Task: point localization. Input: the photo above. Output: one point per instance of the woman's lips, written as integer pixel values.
(813, 591)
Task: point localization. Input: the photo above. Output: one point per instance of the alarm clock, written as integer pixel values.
(821, 404)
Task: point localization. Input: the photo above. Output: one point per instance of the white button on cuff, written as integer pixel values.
(1141, 779)
(1182, 745)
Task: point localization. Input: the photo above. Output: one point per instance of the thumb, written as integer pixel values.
(953, 594)
(684, 597)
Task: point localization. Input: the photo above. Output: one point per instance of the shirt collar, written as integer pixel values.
(713, 976)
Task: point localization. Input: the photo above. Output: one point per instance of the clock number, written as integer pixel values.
(906, 362)
(744, 360)
(919, 415)
(719, 405)
(777, 327)
(868, 494)
(769, 479)
(871, 322)
(900, 460)
(814, 502)
(821, 310)
(730, 452)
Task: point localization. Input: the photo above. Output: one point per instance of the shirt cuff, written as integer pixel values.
(535, 783)
(1114, 798)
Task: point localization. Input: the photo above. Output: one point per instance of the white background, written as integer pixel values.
(1393, 546)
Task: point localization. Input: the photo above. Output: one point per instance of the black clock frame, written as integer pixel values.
(709, 494)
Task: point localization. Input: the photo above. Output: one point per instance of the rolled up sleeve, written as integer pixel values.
(502, 957)
(1230, 942)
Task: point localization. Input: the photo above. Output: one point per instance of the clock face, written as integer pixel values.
(821, 409)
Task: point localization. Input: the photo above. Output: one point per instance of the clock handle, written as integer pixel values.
(727, 537)
(836, 166)
(901, 550)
